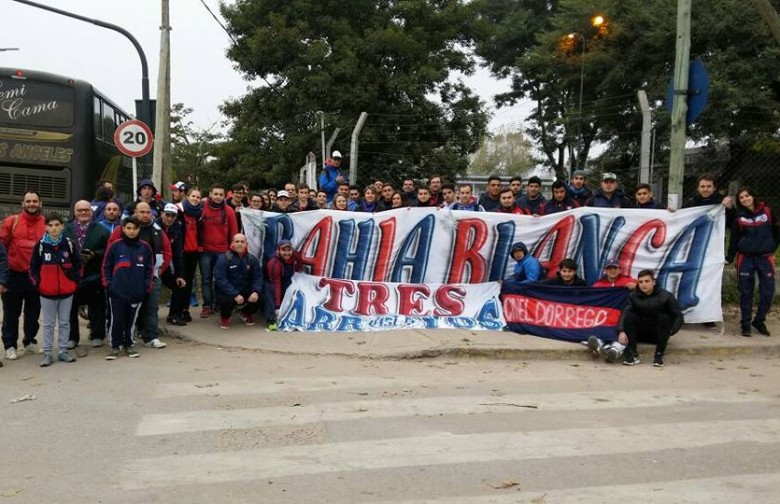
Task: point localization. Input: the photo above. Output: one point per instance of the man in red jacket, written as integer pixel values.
(217, 227)
(19, 233)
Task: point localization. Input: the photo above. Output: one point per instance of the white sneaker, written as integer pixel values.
(156, 343)
(32, 348)
(595, 346)
(10, 354)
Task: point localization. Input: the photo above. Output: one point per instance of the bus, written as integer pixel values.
(57, 138)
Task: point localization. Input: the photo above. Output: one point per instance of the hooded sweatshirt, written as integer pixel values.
(279, 273)
(156, 204)
(527, 269)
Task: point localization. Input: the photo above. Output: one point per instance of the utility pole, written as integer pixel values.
(161, 168)
(353, 150)
(679, 104)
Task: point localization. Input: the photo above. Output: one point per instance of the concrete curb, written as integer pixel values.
(728, 347)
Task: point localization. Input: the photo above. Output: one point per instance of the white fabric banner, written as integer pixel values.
(432, 246)
(328, 304)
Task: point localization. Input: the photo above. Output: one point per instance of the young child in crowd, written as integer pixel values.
(55, 270)
(278, 276)
(128, 274)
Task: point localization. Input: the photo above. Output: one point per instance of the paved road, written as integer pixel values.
(194, 423)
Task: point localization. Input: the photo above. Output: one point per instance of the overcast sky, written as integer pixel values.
(201, 76)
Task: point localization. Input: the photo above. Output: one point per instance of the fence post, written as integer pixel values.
(644, 153)
(353, 151)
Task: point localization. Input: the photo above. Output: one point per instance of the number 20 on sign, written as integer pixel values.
(133, 138)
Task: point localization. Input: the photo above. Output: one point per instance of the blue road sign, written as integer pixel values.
(698, 91)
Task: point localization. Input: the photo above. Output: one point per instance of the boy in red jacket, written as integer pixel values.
(55, 270)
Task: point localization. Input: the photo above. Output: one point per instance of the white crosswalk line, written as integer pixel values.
(745, 488)
(210, 420)
(438, 450)
(293, 384)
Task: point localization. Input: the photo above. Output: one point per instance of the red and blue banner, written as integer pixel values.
(567, 313)
(438, 246)
(329, 304)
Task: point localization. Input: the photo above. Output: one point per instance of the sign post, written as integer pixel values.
(133, 138)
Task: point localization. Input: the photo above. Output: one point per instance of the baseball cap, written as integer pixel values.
(336, 154)
(284, 244)
(171, 208)
(612, 263)
(282, 194)
(178, 186)
(608, 176)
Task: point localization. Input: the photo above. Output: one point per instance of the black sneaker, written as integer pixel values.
(658, 360)
(132, 352)
(746, 331)
(113, 354)
(630, 358)
(710, 325)
(175, 321)
(185, 316)
(761, 328)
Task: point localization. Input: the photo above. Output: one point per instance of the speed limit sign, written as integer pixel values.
(133, 138)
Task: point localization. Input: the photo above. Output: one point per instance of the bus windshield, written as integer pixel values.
(25, 103)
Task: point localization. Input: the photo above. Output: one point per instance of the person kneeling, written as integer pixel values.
(651, 315)
(238, 282)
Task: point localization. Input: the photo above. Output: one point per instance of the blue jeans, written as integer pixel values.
(148, 315)
(207, 262)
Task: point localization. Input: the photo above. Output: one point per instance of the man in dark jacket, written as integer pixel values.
(579, 192)
(609, 195)
(534, 199)
(238, 282)
(567, 275)
(147, 193)
(561, 201)
(173, 277)
(92, 240)
(644, 198)
(651, 315)
(278, 274)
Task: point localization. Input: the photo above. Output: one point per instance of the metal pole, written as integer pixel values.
(322, 134)
(679, 104)
(353, 150)
(332, 139)
(146, 104)
(582, 88)
(644, 152)
(3, 49)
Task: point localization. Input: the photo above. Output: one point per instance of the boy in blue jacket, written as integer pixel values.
(238, 282)
(527, 269)
(128, 275)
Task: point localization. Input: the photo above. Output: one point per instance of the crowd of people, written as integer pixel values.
(109, 262)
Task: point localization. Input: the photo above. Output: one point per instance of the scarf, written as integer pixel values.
(51, 241)
(191, 210)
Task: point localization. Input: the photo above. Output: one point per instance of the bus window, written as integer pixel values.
(109, 126)
(31, 103)
(97, 124)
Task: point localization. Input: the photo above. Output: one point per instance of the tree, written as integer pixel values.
(507, 153)
(633, 50)
(391, 59)
(192, 150)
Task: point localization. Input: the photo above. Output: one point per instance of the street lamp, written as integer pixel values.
(596, 21)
